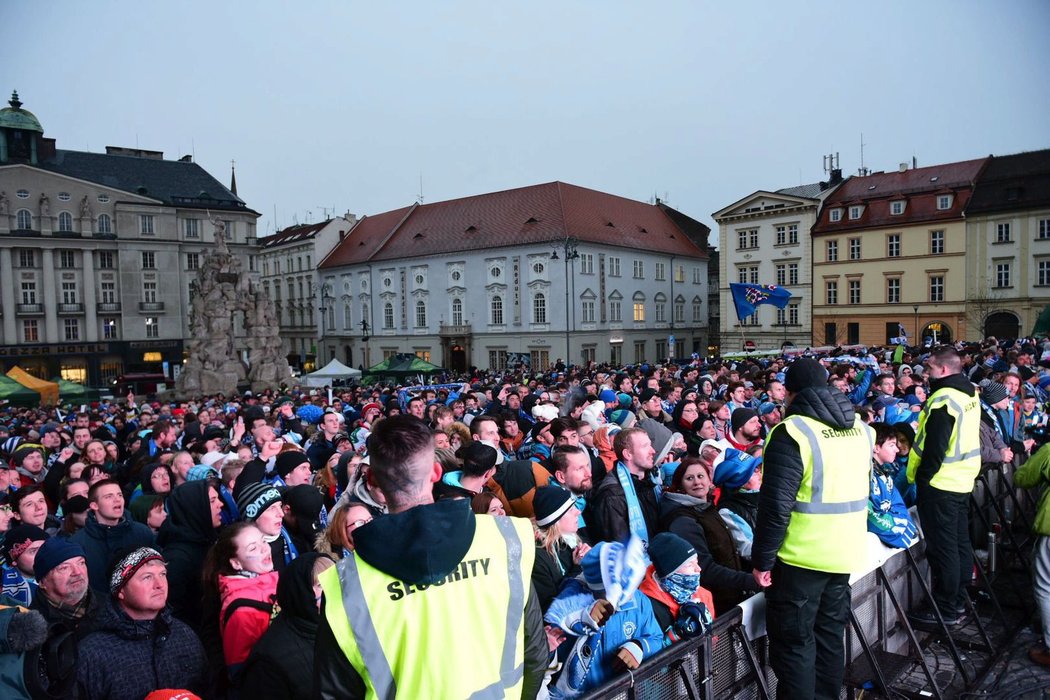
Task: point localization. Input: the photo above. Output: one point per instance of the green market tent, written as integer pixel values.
(72, 392)
(400, 366)
(18, 395)
(1042, 324)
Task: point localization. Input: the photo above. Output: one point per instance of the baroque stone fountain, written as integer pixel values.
(221, 294)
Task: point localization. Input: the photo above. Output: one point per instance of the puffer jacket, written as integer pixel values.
(247, 607)
(125, 659)
(783, 469)
(101, 542)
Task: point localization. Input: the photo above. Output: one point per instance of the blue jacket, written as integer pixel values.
(633, 622)
(100, 543)
(857, 396)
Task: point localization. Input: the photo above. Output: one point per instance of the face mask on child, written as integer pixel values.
(681, 587)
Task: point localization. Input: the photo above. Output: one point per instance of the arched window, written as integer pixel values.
(25, 220)
(539, 308)
(348, 322)
(388, 315)
(457, 312)
(497, 311)
(65, 221)
(421, 314)
(105, 224)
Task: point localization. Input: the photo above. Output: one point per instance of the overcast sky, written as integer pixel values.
(344, 105)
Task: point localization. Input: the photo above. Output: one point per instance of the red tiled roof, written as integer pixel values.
(523, 216)
(919, 188)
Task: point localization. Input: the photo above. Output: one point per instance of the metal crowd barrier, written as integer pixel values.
(731, 662)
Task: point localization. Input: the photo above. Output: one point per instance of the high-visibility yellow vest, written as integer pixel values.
(962, 459)
(462, 637)
(827, 528)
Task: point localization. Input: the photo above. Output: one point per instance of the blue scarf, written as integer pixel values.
(634, 510)
(681, 587)
(290, 552)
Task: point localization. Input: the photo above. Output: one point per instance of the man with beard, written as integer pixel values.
(572, 470)
(64, 596)
(625, 502)
(745, 429)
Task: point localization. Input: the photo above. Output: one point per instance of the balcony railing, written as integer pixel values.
(29, 309)
(459, 329)
(108, 307)
(70, 308)
(150, 306)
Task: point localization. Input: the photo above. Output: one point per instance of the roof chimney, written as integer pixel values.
(903, 167)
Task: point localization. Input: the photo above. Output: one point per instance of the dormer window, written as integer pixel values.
(897, 208)
(855, 212)
(944, 202)
(835, 215)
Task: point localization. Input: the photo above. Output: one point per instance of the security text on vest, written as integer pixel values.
(468, 568)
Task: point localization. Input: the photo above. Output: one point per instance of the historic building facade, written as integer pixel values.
(97, 251)
(546, 272)
(889, 252)
(1008, 245)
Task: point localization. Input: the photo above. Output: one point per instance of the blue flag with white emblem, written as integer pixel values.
(747, 297)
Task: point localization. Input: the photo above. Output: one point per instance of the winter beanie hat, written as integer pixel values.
(55, 551)
(993, 393)
(550, 503)
(20, 538)
(255, 499)
(740, 417)
(129, 564)
(668, 552)
(285, 462)
(804, 372)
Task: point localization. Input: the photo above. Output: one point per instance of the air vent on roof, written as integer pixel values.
(642, 229)
(934, 178)
(472, 228)
(418, 235)
(361, 243)
(141, 189)
(610, 224)
(532, 220)
(871, 187)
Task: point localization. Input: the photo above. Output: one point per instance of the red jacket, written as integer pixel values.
(247, 622)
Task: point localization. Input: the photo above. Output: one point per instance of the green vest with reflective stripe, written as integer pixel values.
(462, 637)
(962, 460)
(827, 528)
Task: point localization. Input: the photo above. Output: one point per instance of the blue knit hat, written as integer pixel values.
(735, 469)
(592, 565)
(54, 552)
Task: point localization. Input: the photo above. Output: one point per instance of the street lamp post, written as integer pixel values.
(569, 249)
(326, 301)
(915, 308)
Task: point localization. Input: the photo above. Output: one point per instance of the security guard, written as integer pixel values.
(943, 464)
(810, 530)
(435, 601)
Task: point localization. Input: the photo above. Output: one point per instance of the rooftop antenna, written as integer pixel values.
(831, 162)
(863, 170)
(193, 150)
(275, 228)
(419, 199)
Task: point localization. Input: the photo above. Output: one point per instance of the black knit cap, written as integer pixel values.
(804, 372)
(668, 552)
(285, 462)
(740, 416)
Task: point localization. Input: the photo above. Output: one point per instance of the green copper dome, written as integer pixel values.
(14, 117)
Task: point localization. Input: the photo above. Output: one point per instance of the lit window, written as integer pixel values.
(639, 311)
(152, 327)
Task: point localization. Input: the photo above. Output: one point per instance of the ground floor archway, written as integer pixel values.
(1002, 324)
(938, 332)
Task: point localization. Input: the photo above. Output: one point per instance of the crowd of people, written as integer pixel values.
(220, 546)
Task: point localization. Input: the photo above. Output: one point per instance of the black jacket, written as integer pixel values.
(783, 469)
(720, 569)
(610, 509)
(125, 659)
(282, 661)
(101, 542)
(548, 574)
(938, 428)
(420, 545)
(184, 540)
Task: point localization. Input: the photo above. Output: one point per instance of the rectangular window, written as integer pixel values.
(193, 261)
(152, 327)
(639, 351)
(830, 334)
(698, 309)
(852, 333)
(1002, 274)
(781, 317)
(586, 263)
(614, 267)
(639, 311)
(146, 224)
(109, 292)
(106, 260)
(752, 238)
(792, 273)
(944, 201)
(661, 312)
(696, 275)
(69, 292)
(781, 274)
(26, 258)
(1044, 229)
(854, 249)
(30, 331)
(29, 292)
(1002, 232)
(835, 215)
(639, 269)
(228, 230)
(109, 329)
(616, 354)
(741, 240)
(793, 312)
(893, 245)
(936, 242)
(896, 208)
(679, 312)
(661, 349)
(855, 212)
(833, 251)
(937, 288)
(497, 358)
(754, 275)
(679, 274)
(742, 275)
(615, 312)
(854, 292)
(588, 311)
(661, 272)
(831, 292)
(71, 328)
(67, 259)
(191, 228)
(781, 235)
(893, 290)
(149, 260)
(1043, 272)
(149, 292)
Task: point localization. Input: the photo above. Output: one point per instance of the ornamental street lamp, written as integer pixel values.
(569, 250)
(327, 300)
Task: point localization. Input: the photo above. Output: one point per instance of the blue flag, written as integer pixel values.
(746, 297)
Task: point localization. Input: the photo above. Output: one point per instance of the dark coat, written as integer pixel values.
(282, 662)
(125, 659)
(185, 538)
(547, 575)
(101, 542)
(609, 522)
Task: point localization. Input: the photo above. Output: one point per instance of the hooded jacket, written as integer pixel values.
(125, 659)
(783, 469)
(101, 542)
(184, 539)
(243, 625)
(282, 662)
(421, 545)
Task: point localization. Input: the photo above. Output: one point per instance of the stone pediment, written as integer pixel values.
(762, 203)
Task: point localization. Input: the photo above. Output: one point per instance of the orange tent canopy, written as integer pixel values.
(48, 390)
